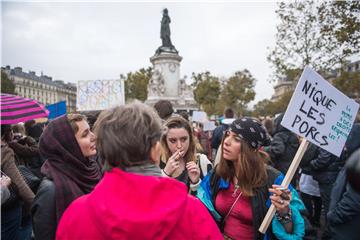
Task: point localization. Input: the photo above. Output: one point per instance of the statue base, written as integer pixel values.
(179, 104)
(163, 49)
(166, 84)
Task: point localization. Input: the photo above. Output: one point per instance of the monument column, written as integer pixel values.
(168, 64)
(165, 83)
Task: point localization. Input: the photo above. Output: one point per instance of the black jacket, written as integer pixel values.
(217, 135)
(310, 154)
(43, 211)
(326, 167)
(283, 147)
(344, 214)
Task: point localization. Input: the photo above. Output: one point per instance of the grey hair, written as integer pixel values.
(125, 134)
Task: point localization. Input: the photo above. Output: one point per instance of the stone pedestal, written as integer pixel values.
(166, 84)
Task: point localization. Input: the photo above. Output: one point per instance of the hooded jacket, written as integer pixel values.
(131, 206)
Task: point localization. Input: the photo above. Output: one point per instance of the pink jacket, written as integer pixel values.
(129, 206)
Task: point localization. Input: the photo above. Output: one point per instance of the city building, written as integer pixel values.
(42, 88)
(285, 84)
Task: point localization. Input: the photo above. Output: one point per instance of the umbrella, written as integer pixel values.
(15, 109)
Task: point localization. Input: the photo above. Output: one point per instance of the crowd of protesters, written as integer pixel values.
(141, 172)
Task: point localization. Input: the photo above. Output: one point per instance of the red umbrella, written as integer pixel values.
(15, 109)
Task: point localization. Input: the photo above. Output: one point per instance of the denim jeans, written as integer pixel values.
(25, 228)
(10, 222)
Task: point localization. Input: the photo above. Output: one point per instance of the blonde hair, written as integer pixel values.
(178, 122)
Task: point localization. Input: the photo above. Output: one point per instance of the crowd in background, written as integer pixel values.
(136, 171)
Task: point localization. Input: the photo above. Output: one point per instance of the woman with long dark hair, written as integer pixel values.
(242, 186)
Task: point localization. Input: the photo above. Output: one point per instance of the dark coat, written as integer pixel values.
(43, 211)
(27, 153)
(217, 135)
(283, 147)
(8, 166)
(326, 166)
(310, 154)
(344, 214)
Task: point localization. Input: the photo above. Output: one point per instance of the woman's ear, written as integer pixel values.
(155, 153)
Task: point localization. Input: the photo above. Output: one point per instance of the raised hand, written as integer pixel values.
(281, 199)
(173, 163)
(193, 172)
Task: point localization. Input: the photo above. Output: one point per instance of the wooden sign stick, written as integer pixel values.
(289, 175)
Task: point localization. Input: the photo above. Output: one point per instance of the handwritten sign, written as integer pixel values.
(99, 94)
(320, 113)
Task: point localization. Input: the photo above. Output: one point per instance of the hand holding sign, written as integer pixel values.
(320, 114)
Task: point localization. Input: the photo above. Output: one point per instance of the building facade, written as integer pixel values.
(285, 84)
(42, 88)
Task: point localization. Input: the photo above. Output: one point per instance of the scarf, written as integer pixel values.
(73, 174)
(148, 169)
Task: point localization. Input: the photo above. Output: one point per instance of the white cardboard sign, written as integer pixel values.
(209, 126)
(199, 116)
(99, 94)
(320, 113)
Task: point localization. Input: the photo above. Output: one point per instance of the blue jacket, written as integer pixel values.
(260, 203)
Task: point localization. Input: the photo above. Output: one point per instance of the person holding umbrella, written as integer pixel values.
(15, 109)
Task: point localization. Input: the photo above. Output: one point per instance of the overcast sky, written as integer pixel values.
(74, 41)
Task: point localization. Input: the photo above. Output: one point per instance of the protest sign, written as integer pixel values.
(99, 94)
(209, 126)
(319, 113)
(199, 116)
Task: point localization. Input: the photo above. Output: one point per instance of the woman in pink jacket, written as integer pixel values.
(133, 201)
